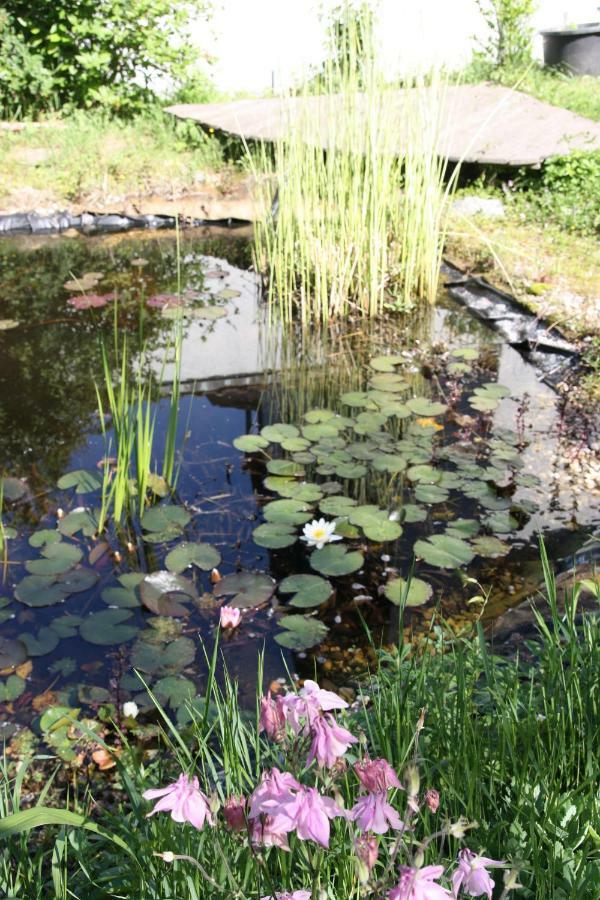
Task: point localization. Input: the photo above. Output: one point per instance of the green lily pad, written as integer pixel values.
(301, 632)
(273, 535)
(462, 528)
(410, 512)
(430, 493)
(414, 593)
(297, 445)
(39, 590)
(79, 520)
(317, 432)
(162, 592)
(308, 590)
(162, 658)
(285, 467)
(44, 536)
(44, 642)
(464, 353)
(12, 653)
(385, 363)
(345, 529)
(11, 689)
(356, 398)
(250, 589)
(387, 462)
(483, 404)
(387, 381)
(66, 626)
(295, 490)
(493, 389)
(12, 488)
(458, 368)
(187, 554)
(349, 471)
(76, 580)
(490, 546)
(174, 690)
(287, 512)
(58, 558)
(276, 434)
(422, 406)
(336, 506)
(85, 481)
(444, 551)
(228, 294)
(250, 443)
(165, 519)
(107, 627)
(336, 560)
(424, 473)
(501, 522)
(121, 597)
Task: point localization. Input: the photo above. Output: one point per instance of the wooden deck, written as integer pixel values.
(482, 123)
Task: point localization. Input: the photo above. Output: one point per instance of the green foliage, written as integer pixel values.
(26, 85)
(105, 53)
(566, 191)
(508, 41)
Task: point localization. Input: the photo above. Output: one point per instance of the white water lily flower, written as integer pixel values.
(319, 532)
(131, 709)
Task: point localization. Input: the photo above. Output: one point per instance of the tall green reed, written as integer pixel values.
(360, 225)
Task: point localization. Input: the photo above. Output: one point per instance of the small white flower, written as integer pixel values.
(394, 516)
(131, 709)
(319, 532)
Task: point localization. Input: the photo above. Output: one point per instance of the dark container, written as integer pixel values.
(577, 49)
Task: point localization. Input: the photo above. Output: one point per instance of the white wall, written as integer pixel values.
(258, 41)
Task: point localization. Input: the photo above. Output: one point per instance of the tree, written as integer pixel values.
(509, 30)
(107, 52)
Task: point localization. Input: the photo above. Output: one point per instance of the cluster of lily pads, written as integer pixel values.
(384, 442)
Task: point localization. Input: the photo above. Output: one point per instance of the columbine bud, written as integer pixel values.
(366, 849)
(214, 804)
(432, 799)
(413, 782)
(234, 810)
(459, 828)
(272, 718)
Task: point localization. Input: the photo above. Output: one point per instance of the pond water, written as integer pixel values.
(426, 436)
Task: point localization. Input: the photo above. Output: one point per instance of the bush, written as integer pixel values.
(509, 32)
(26, 85)
(566, 191)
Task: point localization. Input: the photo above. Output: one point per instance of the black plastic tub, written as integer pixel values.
(577, 49)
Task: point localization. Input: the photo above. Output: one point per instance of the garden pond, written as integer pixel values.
(432, 444)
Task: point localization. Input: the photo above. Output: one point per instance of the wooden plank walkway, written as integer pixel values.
(481, 123)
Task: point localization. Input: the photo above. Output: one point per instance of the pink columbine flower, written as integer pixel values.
(366, 848)
(272, 717)
(270, 831)
(432, 799)
(274, 794)
(420, 884)
(376, 775)
(234, 812)
(311, 814)
(308, 704)
(230, 617)
(472, 876)
(374, 813)
(330, 741)
(184, 800)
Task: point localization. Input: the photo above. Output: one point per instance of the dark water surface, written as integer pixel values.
(238, 375)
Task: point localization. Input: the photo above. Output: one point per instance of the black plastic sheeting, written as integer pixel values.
(537, 340)
(89, 223)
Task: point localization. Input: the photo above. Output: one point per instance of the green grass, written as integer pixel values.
(512, 746)
(90, 157)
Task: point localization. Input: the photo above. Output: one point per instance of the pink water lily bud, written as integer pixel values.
(420, 884)
(272, 718)
(184, 800)
(234, 812)
(376, 775)
(366, 848)
(432, 799)
(330, 741)
(373, 813)
(472, 876)
(230, 617)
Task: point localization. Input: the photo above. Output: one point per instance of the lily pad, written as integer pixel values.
(273, 535)
(162, 593)
(308, 590)
(12, 653)
(430, 493)
(314, 416)
(301, 632)
(162, 658)
(174, 690)
(44, 536)
(76, 580)
(44, 642)
(414, 593)
(422, 406)
(388, 462)
(490, 546)
(13, 687)
(276, 434)
(483, 404)
(285, 467)
(58, 558)
(386, 363)
(83, 480)
(410, 512)
(464, 353)
(251, 589)
(39, 590)
(444, 551)
(79, 520)
(187, 554)
(165, 519)
(462, 528)
(501, 522)
(296, 490)
(287, 512)
(12, 488)
(107, 627)
(250, 443)
(121, 597)
(336, 560)
(356, 398)
(337, 506)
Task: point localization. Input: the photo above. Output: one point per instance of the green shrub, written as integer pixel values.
(565, 191)
(26, 85)
(508, 41)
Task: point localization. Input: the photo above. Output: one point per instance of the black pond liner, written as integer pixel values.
(90, 223)
(537, 340)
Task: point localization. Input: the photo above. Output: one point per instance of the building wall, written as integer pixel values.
(258, 43)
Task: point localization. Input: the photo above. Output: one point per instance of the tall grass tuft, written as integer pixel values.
(359, 225)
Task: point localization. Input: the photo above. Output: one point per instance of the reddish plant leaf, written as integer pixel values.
(91, 301)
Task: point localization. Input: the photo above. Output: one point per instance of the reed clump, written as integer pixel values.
(362, 190)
